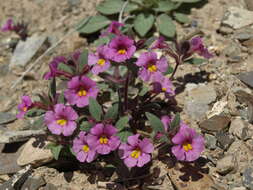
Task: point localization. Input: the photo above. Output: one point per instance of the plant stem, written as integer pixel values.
(126, 91)
(175, 70)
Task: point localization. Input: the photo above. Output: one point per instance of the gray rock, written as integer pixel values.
(224, 140)
(243, 36)
(215, 124)
(249, 4)
(6, 117)
(33, 183)
(210, 141)
(233, 51)
(247, 78)
(236, 127)
(226, 164)
(19, 136)
(26, 50)
(236, 17)
(196, 110)
(239, 188)
(50, 186)
(247, 179)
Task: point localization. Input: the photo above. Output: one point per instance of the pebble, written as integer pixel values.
(226, 164)
(210, 141)
(196, 110)
(33, 183)
(215, 124)
(6, 117)
(248, 177)
(247, 78)
(236, 127)
(239, 188)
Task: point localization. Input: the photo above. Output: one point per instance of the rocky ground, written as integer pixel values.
(215, 97)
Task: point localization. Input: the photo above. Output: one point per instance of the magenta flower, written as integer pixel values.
(136, 152)
(113, 28)
(102, 136)
(99, 61)
(80, 89)
(8, 26)
(188, 144)
(163, 84)
(25, 105)
(61, 120)
(160, 43)
(84, 152)
(196, 45)
(166, 120)
(151, 65)
(53, 67)
(121, 48)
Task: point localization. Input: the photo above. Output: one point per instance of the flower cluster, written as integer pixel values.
(82, 117)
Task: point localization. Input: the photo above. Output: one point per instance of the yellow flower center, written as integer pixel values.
(164, 89)
(103, 140)
(82, 93)
(187, 147)
(25, 109)
(61, 122)
(101, 62)
(86, 148)
(136, 153)
(122, 51)
(152, 68)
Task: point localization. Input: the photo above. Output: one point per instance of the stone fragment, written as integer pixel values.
(19, 136)
(33, 183)
(247, 179)
(247, 78)
(35, 153)
(226, 164)
(210, 141)
(6, 117)
(236, 17)
(224, 140)
(196, 110)
(239, 188)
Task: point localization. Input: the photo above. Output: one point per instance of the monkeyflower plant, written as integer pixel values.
(117, 102)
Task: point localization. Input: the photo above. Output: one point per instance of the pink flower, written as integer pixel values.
(163, 84)
(99, 61)
(102, 137)
(188, 144)
(80, 89)
(136, 152)
(84, 152)
(61, 120)
(196, 45)
(166, 120)
(8, 26)
(121, 48)
(113, 28)
(151, 65)
(53, 67)
(160, 43)
(25, 105)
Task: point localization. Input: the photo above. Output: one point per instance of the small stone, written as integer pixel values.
(33, 183)
(210, 141)
(249, 4)
(224, 140)
(215, 124)
(247, 179)
(6, 117)
(225, 30)
(247, 78)
(226, 164)
(239, 188)
(236, 17)
(35, 153)
(26, 50)
(236, 127)
(19, 136)
(50, 186)
(196, 110)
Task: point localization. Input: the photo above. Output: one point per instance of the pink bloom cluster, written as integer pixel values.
(8, 26)
(24, 106)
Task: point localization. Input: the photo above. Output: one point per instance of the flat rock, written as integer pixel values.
(33, 183)
(236, 17)
(19, 136)
(215, 124)
(241, 129)
(247, 78)
(35, 153)
(6, 117)
(226, 164)
(210, 141)
(26, 50)
(248, 177)
(196, 111)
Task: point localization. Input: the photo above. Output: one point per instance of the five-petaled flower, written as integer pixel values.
(188, 144)
(80, 89)
(8, 26)
(151, 65)
(160, 43)
(24, 106)
(103, 137)
(121, 48)
(196, 45)
(99, 61)
(84, 152)
(136, 152)
(163, 84)
(61, 120)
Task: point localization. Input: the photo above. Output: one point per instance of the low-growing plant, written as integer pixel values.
(139, 16)
(117, 103)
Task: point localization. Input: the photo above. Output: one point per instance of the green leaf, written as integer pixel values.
(55, 149)
(83, 60)
(39, 123)
(143, 23)
(166, 26)
(34, 112)
(182, 18)
(155, 122)
(196, 61)
(186, 1)
(82, 23)
(110, 7)
(101, 41)
(112, 112)
(165, 6)
(85, 126)
(94, 24)
(95, 109)
(61, 98)
(176, 121)
(65, 68)
(169, 70)
(123, 135)
(52, 88)
(122, 122)
(144, 90)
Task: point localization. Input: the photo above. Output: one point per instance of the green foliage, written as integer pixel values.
(124, 134)
(166, 26)
(169, 70)
(34, 112)
(52, 88)
(143, 23)
(65, 68)
(83, 60)
(55, 149)
(85, 126)
(182, 18)
(95, 109)
(122, 122)
(112, 112)
(176, 121)
(155, 122)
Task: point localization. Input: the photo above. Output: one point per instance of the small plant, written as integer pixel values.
(127, 111)
(139, 16)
